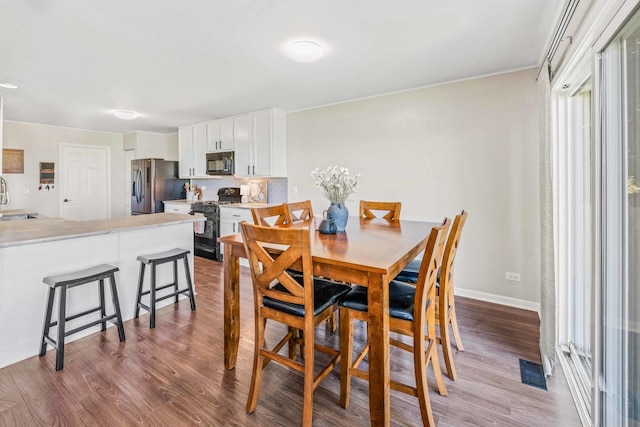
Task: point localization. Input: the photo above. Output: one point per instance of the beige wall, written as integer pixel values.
(471, 144)
(41, 144)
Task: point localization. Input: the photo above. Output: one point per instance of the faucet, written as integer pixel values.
(4, 192)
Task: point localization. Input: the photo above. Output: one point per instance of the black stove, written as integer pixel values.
(206, 243)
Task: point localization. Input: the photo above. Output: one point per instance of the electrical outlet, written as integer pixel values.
(515, 277)
(204, 188)
(294, 189)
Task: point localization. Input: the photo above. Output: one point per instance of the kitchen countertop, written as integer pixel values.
(38, 230)
(232, 205)
(18, 212)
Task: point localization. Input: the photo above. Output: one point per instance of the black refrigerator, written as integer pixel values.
(152, 182)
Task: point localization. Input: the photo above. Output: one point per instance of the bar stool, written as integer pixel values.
(65, 282)
(172, 255)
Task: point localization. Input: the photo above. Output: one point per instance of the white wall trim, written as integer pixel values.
(498, 299)
(412, 89)
(67, 127)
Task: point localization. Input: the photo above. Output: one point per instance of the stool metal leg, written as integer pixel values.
(47, 322)
(152, 302)
(103, 312)
(139, 295)
(175, 278)
(116, 306)
(61, 324)
(192, 298)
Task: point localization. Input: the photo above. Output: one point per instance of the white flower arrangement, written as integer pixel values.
(336, 183)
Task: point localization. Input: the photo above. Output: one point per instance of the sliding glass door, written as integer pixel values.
(575, 187)
(618, 391)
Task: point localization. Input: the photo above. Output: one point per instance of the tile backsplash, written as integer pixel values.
(276, 191)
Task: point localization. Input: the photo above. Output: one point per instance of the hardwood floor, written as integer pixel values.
(174, 375)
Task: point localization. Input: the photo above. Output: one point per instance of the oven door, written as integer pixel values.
(206, 244)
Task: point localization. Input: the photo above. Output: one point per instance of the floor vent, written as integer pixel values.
(532, 374)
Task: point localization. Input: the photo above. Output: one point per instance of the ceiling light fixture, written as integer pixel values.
(125, 115)
(304, 51)
(8, 86)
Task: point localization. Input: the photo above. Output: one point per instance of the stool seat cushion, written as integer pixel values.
(325, 294)
(80, 276)
(401, 300)
(162, 257)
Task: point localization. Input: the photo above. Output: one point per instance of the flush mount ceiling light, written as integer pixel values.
(125, 115)
(304, 51)
(8, 86)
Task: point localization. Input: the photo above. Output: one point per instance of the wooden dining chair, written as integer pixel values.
(411, 308)
(271, 215)
(446, 312)
(300, 211)
(391, 210)
(301, 302)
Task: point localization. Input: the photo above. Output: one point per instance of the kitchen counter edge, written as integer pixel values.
(33, 231)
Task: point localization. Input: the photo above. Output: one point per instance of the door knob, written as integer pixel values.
(66, 200)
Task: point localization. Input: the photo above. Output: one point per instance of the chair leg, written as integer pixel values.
(152, 300)
(116, 307)
(47, 322)
(346, 354)
(256, 376)
(333, 322)
(103, 312)
(309, 348)
(192, 297)
(293, 345)
(139, 294)
(454, 326)
(175, 279)
(61, 325)
(421, 362)
(432, 357)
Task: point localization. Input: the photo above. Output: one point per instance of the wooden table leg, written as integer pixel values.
(231, 267)
(379, 366)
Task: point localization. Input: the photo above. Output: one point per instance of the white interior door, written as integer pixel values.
(85, 182)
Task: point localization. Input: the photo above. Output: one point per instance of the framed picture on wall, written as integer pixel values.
(12, 160)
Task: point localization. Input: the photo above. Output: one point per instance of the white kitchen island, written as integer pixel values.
(34, 248)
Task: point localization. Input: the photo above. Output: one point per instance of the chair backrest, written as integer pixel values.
(269, 268)
(425, 302)
(300, 211)
(270, 215)
(450, 251)
(391, 209)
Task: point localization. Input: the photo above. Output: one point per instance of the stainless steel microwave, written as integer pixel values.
(220, 163)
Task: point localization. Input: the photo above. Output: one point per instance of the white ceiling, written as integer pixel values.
(180, 62)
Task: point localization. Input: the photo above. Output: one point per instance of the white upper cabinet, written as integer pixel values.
(192, 148)
(220, 135)
(258, 139)
(260, 143)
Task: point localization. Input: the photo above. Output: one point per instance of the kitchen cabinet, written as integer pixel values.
(192, 148)
(220, 135)
(230, 219)
(260, 143)
(177, 206)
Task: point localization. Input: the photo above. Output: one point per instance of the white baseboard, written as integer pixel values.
(498, 299)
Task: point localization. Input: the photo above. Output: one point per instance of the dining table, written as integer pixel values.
(370, 252)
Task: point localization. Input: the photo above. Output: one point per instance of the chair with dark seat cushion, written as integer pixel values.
(446, 312)
(411, 309)
(296, 299)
